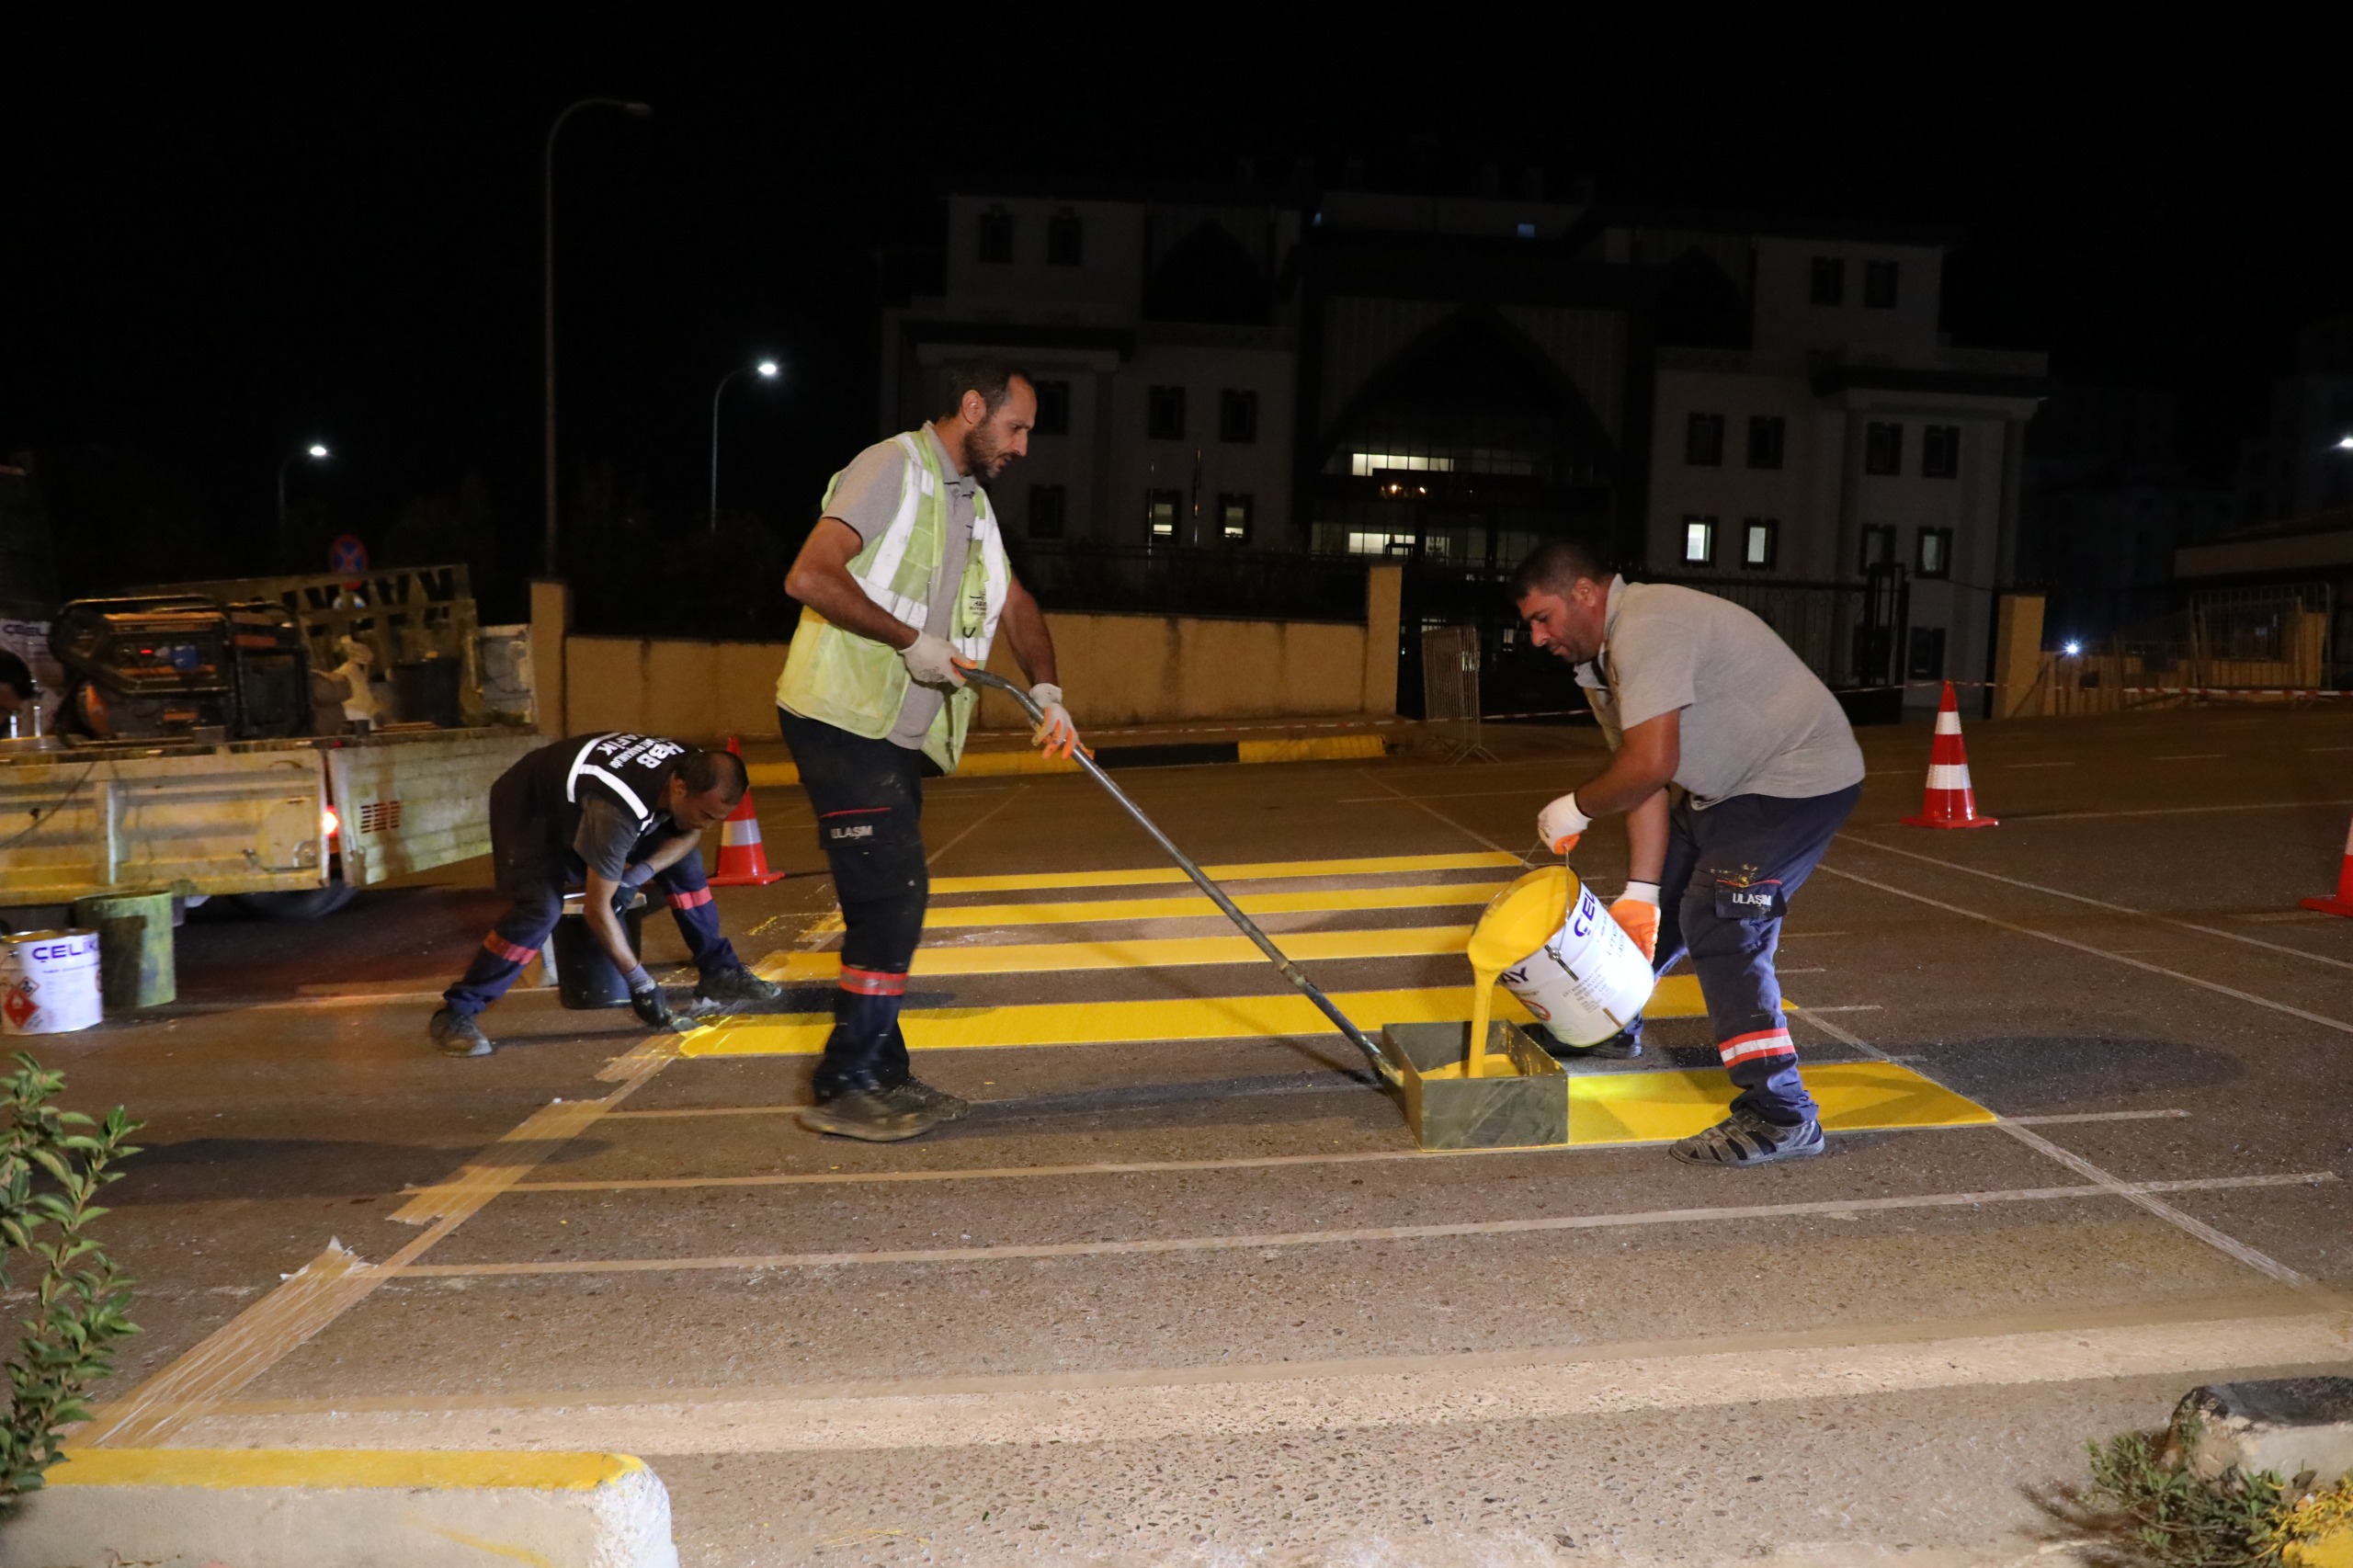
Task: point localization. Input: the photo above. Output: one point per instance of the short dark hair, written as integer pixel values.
(721, 770)
(1558, 564)
(990, 375)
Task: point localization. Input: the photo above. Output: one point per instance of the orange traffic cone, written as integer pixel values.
(1949, 802)
(743, 858)
(2343, 902)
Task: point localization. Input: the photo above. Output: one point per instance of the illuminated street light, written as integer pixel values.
(2071, 649)
(2345, 443)
(316, 451)
(768, 370)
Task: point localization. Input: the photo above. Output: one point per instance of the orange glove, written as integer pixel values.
(1561, 824)
(1636, 913)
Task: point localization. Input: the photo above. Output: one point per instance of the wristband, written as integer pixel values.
(1641, 892)
(637, 980)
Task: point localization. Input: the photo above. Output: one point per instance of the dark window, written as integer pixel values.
(1049, 509)
(1165, 414)
(1768, 433)
(1703, 440)
(1160, 509)
(1829, 281)
(1234, 515)
(1760, 542)
(1879, 285)
(1882, 448)
(1237, 416)
(1699, 541)
(997, 235)
(1053, 408)
(1935, 557)
(1940, 451)
(1879, 545)
(1928, 661)
(1064, 238)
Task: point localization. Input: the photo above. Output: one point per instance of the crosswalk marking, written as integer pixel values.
(1187, 905)
(797, 968)
(1369, 865)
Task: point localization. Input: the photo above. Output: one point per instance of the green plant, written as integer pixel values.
(2159, 1514)
(50, 1171)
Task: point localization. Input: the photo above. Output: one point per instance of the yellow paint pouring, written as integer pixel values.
(1516, 923)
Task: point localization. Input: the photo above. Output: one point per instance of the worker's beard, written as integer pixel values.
(983, 458)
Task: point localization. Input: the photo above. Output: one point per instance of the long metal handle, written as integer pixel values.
(1217, 894)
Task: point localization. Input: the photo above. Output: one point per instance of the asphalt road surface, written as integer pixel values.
(1174, 1294)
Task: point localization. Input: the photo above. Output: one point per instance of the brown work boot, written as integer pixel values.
(877, 1116)
(456, 1034)
(921, 1096)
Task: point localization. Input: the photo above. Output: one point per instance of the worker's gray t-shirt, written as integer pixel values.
(866, 498)
(608, 834)
(1755, 721)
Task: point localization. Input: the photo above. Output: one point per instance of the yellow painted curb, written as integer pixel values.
(998, 764)
(1314, 748)
(337, 1468)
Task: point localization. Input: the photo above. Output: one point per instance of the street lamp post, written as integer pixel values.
(768, 372)
(546, 283)
(316, 452)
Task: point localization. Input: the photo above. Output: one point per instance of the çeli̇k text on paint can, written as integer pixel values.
(49, 981)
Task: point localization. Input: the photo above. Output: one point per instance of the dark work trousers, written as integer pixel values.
(537, 883)
(1729, 873)
(868, 796)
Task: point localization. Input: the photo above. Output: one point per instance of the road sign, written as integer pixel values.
(348, 555)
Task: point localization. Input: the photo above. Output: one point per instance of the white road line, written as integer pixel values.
(2192, 756)
(2100, 903)
(1448, 795)
(1226, 1402)
(2018, 819)
(2038, 765)
(1475, 837)
(2106, 1187)
(2339, 1025)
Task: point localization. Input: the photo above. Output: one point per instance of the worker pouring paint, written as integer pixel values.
(902, 582)
(1693, 690)
(611, 814)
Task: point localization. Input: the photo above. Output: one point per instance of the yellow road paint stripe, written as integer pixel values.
(1143, 952)
(1855, 1096)
(1285, 1014)
(440, 1470)
(1362, 866)
(1187, 905)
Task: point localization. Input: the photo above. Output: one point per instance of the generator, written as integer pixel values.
(172, 666)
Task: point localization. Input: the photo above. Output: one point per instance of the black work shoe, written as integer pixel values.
(456, 1034)
(921, 1096)
(736, 984)
(1744, 1138)
(1623, 1046)
(877, 1116)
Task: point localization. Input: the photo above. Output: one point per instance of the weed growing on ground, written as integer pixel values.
(2156, 1514)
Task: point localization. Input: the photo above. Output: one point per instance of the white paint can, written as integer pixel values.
(1589, 980)
(49, 981)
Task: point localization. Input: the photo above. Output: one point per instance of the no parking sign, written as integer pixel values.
(346, 556)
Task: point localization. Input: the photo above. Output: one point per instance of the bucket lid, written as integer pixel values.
(47, 935)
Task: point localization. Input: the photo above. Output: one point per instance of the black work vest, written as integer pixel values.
(540, 796)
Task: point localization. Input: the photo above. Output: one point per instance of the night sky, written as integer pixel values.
(223, 241)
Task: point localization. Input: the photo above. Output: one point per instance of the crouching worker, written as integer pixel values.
(902, 582)
(611, 814)
(1692, 690)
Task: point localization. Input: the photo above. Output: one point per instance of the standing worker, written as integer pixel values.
(1693, 690)
(903, 580)
(611, 813)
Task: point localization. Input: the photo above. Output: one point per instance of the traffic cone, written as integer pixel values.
(1949, 802)
(2343, 902)
(743, 858)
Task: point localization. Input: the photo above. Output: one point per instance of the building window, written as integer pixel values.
(1879, 545)
(1053, 408)
(1760, 543)
(997, 235)
(1049, 509)
(1234, 513)
(1237, 416)
(1882, 448)
(1699, 541)
(1064, 238)
(1879, 285)
(1768, 433)
(1703, 440)
(1935, 556)
(1940, 451)
(1165, 414)
(1160, 509)
(1927, 660)
(1829, 281)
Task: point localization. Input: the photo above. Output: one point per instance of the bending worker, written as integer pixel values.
(1692, 690)
(903, 580)
(611, 813)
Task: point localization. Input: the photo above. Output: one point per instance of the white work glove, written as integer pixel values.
(1561, 824)
(1055, 735)
(1636, 913)
(932, 661)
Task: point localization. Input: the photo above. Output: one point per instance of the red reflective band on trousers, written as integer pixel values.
(508, 951)
(873, 982)
(691, 898)
(1749, 1047)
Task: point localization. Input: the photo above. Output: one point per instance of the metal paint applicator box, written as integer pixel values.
(1527, 1108)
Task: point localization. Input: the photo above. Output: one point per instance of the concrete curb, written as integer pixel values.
(993, 764)
(301, 1508)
